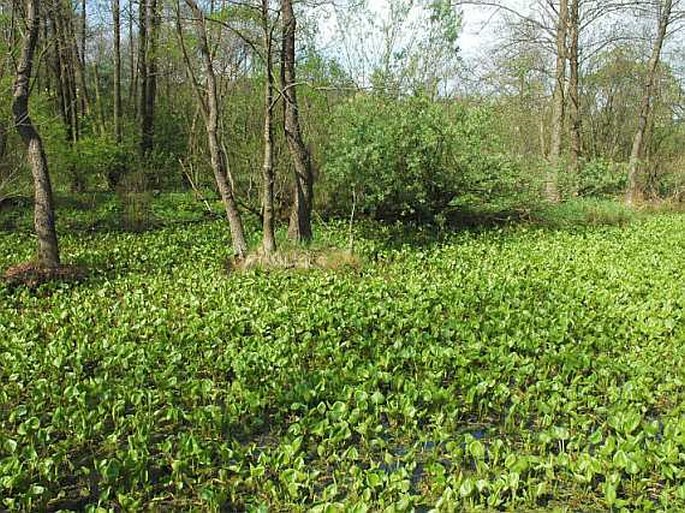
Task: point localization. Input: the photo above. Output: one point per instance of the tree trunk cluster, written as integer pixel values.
(207, 93)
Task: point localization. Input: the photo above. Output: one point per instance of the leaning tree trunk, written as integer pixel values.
(300, 227)
(633, 192)
(268, 237)
(44, 216)
(558, 101)
(209, 102)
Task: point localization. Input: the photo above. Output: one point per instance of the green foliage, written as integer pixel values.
(601, 177)
(584, 212)
(515, 370)
(668, 182)
(94, 161)
(414, 159)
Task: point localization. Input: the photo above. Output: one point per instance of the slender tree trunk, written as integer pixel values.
(44, 216)
(98, 102)
(65, 85)
(133, 77)
(269, 238)
(143, 29)
(58, 70)
(558, 101)
(116, 18)
(148, 121)
(574, 86)
(300, 227)
(633, 191)
(84, 32)
(81, 62)
(74, 59)
(209, 103)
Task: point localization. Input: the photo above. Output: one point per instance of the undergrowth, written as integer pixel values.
(517, 368)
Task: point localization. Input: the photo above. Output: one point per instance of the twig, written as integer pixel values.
(198, 193)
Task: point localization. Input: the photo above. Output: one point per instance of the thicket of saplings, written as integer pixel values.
(410, 159)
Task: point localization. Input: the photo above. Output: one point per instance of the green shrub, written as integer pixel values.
(418, 160)
(97, 160)
(600, 177)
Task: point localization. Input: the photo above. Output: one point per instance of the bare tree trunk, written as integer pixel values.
(59, 82)
(143, 75)
(633, 192)
(574, 93)
(116, 18)
(269, 238)
(98, 102)
(133, 76)
(74, 59)
(209, 103)
(300, 227)
(44, 215)
(65, 84)
(551, 187)
(151, 91)
(84, 31)
(80, 64)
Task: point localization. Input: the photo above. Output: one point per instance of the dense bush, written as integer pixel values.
(97, 161)
(600, 177)
(665, 179)
(414, 159)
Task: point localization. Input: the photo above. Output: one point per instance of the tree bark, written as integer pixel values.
(300, 227)
(268, 238)
(558, 104)
(209, 104)
(44, 216)
(633, 192)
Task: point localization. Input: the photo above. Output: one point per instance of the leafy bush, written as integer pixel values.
(97, 160)
(415, 159)
(600, 177)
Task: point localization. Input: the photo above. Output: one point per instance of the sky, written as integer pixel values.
(478, 32)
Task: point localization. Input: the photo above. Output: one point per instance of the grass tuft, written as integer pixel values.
(585, 212)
